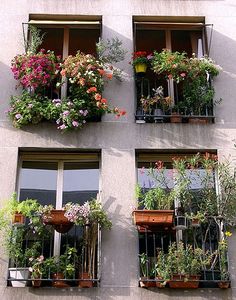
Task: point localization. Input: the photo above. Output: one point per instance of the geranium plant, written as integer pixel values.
(141, 57)
(36, 71)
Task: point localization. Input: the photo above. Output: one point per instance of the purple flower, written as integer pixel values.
(18, 116)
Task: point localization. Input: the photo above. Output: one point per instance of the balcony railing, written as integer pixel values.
(54, 259)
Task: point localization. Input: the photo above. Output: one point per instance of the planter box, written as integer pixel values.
(57, 219)
(153, 217)
(184, 282)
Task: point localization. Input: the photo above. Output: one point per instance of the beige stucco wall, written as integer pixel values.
(118, 139)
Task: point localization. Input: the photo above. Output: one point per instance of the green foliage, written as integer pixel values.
(143, 262)
(110, 51)
(28, 109)
(36, 39)
(156, 198)
(64, 263)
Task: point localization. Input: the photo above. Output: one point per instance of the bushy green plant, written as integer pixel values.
(65, 263)
(27, 108)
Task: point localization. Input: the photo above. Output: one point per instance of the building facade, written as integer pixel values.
(116, 143)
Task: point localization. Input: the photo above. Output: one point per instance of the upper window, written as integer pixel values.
(160, 93)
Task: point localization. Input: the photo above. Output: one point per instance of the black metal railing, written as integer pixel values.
(45, 254)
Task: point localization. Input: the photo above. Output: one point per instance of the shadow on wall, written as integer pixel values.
(7, 88)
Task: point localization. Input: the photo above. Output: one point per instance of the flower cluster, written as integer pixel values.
(36, 268)
(141, 57)
(91, 212)
(177, 66)
(78, 214)
(36, 70)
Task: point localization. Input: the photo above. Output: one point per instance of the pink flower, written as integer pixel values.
(183, 74)
(18, 116)
(75, 123)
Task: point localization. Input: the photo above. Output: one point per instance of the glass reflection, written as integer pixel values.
(80, 182)
(38, 180)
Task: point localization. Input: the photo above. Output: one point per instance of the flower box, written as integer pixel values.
(179, 281)
(153, 217)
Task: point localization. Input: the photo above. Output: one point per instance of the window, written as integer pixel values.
(57, 179)
(183, 35)
(179, 228)
(66, 36)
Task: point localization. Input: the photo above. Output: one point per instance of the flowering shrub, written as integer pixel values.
(87, 77)
(171, 64)
(36, 70)
(141, 57)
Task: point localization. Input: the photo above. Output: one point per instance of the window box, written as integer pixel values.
(179, 281)
(153, 217)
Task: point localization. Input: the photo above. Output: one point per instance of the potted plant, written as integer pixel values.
(19, 256)
(145, 272)
(162, 269)
(36, 270)
(185, 265)
(92, 217)
(140, 61)
(157, 202)
(61, 267)
(157, 104)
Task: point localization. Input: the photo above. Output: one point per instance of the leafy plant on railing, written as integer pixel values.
(195, 76)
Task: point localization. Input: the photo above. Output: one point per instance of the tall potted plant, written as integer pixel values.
(92, 217)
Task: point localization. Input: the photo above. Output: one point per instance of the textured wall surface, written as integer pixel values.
(118, 139)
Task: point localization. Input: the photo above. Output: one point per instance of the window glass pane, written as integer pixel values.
(84, 40)
(185, 40)
(80, 181)
(53, 39)
(150, 40)
(38, 180)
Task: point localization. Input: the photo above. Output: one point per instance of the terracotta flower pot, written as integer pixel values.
(196, 120)
(57, 219)
(36, 282)
(184, 282)
(57, 280)
(153, 217)
(175, 118)
(18, 219)
(223, 284)
(85, 283)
